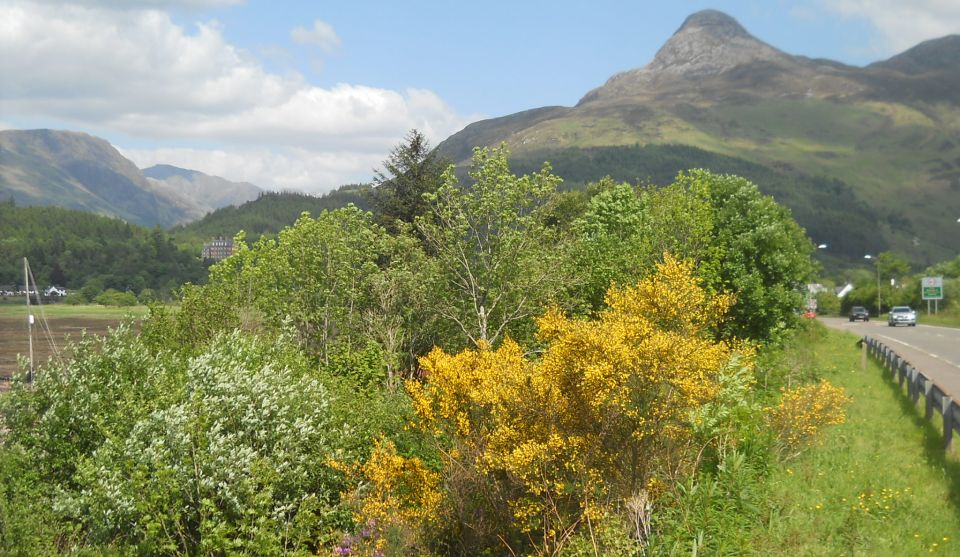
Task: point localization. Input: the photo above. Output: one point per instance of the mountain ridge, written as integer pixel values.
(76, 170)
(197, 192)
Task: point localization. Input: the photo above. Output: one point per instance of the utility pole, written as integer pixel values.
(877, 262)
(26, 285)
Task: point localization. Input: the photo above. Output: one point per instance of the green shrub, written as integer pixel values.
(27, 525)
(112, 297)
(147, 296)
(75, 299)
(228, 451)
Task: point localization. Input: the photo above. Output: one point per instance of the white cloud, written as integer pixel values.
(285, 169)
(322, 35)
(137, 73)
(902, 24)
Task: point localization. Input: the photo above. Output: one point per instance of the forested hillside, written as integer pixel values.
(72, 249)
(267, 215)
(827, 208)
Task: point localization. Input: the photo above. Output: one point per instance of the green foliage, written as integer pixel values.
(760, 254)
(828, 208)
(741, 242)
(73, 248)
(609, 249)
(76, 299)
(625, 231)
(339, 282)
(27, 523)
(267, 215)
(111, 297)
(708, 514)
(147, 296)
(499, 263)
(411, 170)
(828, 303)
(226, 451)
(892, 266)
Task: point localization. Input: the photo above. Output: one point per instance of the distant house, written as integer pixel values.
(57, 291)
(217, 249)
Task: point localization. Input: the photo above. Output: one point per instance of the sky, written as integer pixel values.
(313, 95)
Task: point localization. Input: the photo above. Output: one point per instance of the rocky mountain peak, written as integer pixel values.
(716, 22)
(709, 43)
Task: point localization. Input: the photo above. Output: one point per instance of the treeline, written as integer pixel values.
(267, 215)
(484, 367)
(827, 208)
(75, 249)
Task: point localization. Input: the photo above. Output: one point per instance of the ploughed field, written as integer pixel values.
(14, 340)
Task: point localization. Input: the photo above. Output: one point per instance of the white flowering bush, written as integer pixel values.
(227, 451)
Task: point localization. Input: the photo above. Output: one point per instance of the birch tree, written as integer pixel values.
(499, 264)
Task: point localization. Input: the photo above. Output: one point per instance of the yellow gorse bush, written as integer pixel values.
(602, 414)
(804, 411)
(393, 493)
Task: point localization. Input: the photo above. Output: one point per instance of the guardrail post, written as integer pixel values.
(947, 413)
(912, 387)
(928, 394)
(864, 347)
(901, 370)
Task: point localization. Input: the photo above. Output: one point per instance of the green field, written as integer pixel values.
(880, 484)
(14, 310)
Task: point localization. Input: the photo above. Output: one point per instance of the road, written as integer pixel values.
(935, 351)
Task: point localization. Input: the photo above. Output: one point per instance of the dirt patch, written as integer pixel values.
(15, 342)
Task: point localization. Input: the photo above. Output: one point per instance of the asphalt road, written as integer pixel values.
(935, 351)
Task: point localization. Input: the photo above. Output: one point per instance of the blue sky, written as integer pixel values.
(312, 95)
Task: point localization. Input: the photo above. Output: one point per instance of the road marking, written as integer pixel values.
(918, 349)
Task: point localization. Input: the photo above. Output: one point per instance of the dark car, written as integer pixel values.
(859, 313)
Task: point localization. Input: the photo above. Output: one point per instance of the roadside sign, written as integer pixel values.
(932, 288)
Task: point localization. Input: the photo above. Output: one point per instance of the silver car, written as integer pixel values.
(902, 315)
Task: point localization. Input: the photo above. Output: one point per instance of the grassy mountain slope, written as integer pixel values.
(78, 171)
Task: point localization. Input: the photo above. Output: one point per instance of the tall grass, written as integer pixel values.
(879, 484)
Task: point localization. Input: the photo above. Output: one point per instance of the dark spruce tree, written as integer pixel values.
(411, 170)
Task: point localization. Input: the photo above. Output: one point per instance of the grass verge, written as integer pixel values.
(879, 484)
(940, 319)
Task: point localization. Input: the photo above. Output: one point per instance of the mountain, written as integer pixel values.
(79, 171)
(887, 136)
(197, 192)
